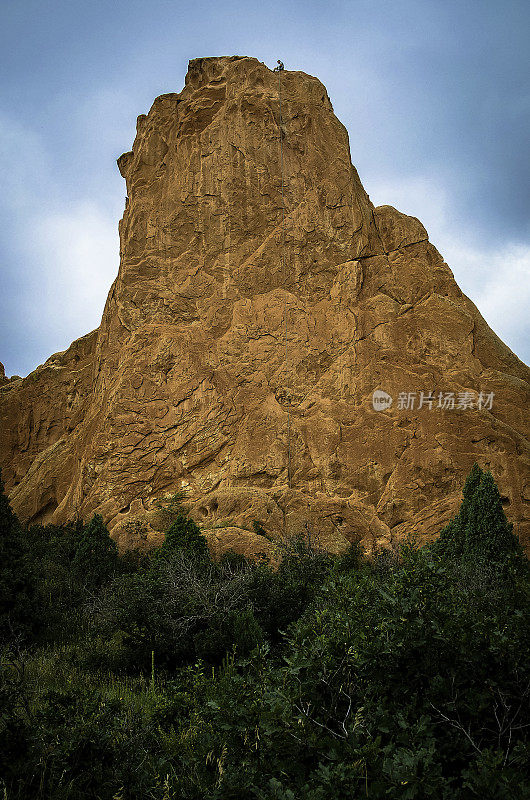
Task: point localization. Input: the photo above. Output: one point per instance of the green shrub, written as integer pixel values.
(392, 685)
(236, 631)
(18, 611)
(172, 676)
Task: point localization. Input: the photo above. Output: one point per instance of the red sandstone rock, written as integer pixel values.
(186, 384)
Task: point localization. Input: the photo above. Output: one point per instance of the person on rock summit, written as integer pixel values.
(280, 67)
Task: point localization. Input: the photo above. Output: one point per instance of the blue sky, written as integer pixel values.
(435, 95)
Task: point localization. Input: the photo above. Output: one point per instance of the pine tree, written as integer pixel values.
(470, 487)
(185, 536)
(96, 554)
(488, 534)
(452, 538)
(480, 530)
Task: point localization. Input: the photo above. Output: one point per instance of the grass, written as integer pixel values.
(57, 668)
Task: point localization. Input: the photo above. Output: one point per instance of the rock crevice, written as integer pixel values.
(187, 382)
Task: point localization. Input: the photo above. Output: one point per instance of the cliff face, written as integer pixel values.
(220, 350)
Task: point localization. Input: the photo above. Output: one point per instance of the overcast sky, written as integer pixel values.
(434, 93)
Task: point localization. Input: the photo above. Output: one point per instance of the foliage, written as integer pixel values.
(480, 530)
(96, 555)
(175, 676)
(389, 686)
(17, 607)
(184, 535)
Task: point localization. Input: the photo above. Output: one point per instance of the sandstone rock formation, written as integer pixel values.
(242, 326)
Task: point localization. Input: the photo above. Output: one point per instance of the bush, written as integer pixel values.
(18, 612)
(280, 597)
(238, 631)
(404, 677)
(391, 686)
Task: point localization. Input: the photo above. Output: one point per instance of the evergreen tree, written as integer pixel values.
(488, 534)
(452, 538)
(96, 555)
(480, 530)
(468, 493)
(184, 535)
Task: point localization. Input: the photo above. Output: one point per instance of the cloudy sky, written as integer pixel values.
(434, 93)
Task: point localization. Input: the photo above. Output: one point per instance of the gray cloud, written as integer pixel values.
(433, 93)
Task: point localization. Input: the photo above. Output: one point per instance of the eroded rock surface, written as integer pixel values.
(237, 317)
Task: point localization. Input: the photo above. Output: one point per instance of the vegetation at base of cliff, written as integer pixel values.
(169, 675)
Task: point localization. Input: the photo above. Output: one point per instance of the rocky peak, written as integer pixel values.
(261, 299)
